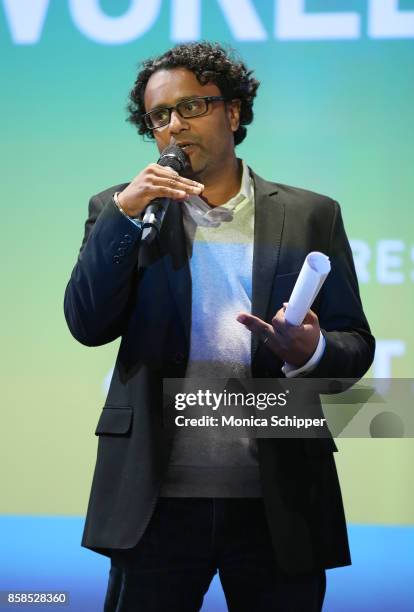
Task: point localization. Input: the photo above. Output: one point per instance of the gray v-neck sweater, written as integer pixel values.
(220, 243)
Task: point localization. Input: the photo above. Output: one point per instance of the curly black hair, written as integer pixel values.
(211, 63)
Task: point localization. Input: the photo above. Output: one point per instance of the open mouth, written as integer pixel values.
(187, 147)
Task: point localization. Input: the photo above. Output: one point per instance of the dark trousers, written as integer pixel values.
(187, 541)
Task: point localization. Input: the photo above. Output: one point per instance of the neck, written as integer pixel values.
(224, 184)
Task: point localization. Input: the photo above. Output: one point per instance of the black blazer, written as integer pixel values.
(143, 294)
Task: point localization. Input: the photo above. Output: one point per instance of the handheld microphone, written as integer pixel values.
(175, 158)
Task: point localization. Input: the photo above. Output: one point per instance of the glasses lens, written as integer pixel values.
(192, 108)
(158, 117)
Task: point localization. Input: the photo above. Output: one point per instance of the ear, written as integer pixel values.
(233, 113)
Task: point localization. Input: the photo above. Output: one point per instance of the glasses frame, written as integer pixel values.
(208, 100)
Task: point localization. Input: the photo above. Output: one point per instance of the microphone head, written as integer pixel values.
(174, 157)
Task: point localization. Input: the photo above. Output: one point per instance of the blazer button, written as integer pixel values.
(116, 259)
(178, 358)
(127, 238)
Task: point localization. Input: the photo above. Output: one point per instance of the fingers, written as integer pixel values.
(279, 319)
(170, 178)
(156, 182)
(292, 343)
(254, 324)
(167, 183)
(311, 318)
(174, 186)
(265, 331)
(160, 191)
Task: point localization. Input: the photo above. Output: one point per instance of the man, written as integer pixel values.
(206, 299)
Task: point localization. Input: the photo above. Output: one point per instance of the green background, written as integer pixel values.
(331, 116)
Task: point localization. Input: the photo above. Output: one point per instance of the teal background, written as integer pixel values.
(331, 116)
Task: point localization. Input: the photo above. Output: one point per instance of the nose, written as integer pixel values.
(177, 123)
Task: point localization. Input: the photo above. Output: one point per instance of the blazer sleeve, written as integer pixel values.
(98, 297)
(350, 346)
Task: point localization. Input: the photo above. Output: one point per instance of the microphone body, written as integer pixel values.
(175, 158)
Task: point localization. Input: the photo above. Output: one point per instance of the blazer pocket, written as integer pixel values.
(115, 421)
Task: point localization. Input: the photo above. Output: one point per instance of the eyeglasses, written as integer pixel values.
(192, 107)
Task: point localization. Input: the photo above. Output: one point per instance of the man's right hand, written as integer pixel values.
(156, 182)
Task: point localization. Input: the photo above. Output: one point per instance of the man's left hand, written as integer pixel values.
(294, 344)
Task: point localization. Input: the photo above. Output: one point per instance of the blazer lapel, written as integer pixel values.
(173, 247)
(268, 227)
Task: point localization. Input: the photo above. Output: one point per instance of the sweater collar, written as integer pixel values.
(203, 214)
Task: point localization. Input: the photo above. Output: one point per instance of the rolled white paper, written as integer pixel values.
(315, 269)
